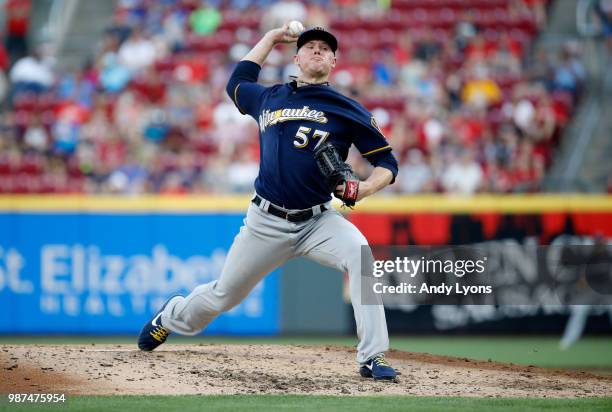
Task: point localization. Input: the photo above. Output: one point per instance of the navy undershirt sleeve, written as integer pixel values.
(243, 89)
(371, 143)
(385, 159)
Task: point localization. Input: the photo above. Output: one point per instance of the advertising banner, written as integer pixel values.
(532, 278)
(107, 273)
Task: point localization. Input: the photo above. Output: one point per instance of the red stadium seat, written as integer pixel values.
(22, 118)
(24, 102)
(232, 20)
(75, 185)
(386, 38)
(446, 18)
(5, 166)
(165, 65)
(31, 165)
(189, 4)
(6, 183)
(390, 103)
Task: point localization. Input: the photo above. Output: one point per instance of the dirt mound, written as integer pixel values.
(271, 369)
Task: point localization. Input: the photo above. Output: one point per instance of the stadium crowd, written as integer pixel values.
(447, 81)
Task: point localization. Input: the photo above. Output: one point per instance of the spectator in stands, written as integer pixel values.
(384, 70)
(463, 176)
(427, 47)
(17, 14)
(521, 110)
(569, 71)
(4, 59)
(527, 168)
(98, 125)
(157, 96)
(36, 136)
(113, 76)
(603, 11)
(534, 119)
(130, 177)
(282, 12)
(120, 28)
(545, 123)
(542, 68)
(174, 25)
(480, 90)
(419, 82)
(55, 178)
(505, 57)
(78, 87)
(31, 74)
(153, 20)
(417, 175)
(137, 52)
(155, 124)
(465, 31)
(230, 129)
(136, 10)
(66, 130)
(4, 66)
(535, 8)
(497, 178)
(172, 184)
(242, 172)
(505, 145)
(317, 16)
(205, 20)
(433, 132)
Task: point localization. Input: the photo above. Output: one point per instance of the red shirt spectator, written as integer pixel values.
(17, 24)
(4, 58)
(17, 17)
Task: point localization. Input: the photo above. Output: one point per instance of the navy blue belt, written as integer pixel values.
(295, 217)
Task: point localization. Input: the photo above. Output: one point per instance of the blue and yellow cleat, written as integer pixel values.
(153, 332)
(378, 368)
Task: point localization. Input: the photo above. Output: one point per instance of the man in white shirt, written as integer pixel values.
(463, 176)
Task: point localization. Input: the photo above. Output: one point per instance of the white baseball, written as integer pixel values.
(295, 28)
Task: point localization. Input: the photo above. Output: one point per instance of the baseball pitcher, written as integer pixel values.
(306, 128)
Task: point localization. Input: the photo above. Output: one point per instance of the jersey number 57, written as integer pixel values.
(301, 137)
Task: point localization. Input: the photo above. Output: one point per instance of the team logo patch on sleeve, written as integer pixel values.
(375, 125)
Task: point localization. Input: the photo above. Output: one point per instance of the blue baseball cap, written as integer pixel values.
(318, 33)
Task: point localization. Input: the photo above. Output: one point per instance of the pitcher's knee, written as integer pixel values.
(226, 301)
(357, 256)
(229, 304)
(217, 299)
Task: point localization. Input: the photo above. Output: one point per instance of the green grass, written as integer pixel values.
(318, 403)
(539, 351)
(588, 353)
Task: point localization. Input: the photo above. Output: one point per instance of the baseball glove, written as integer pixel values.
(336, 173)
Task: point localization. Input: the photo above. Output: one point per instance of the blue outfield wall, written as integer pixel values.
(101, 273)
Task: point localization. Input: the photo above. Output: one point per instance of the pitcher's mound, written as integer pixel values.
(270, 369)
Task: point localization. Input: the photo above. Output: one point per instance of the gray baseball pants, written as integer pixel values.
(266, 242)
